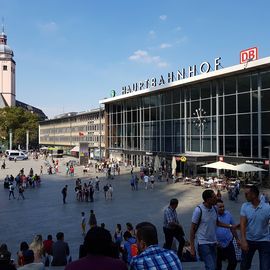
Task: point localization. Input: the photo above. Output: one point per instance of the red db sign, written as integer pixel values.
(248, 55)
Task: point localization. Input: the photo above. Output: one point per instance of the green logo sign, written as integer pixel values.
(113, 93)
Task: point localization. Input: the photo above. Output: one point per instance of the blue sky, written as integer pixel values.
(70, 54)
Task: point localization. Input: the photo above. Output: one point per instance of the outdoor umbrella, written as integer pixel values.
(244, 167)
(156, 163)
(174, 165)
(219, 165)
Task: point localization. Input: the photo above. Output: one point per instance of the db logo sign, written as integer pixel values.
(183, 159)
(248, 55)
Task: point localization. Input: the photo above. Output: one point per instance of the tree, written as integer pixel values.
(19, 121)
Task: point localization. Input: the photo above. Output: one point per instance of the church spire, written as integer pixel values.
(3, 36)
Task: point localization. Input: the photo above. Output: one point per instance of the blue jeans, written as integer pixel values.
(263, 248)
(208, 254)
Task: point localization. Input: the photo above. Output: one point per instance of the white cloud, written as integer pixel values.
(182, 40)
(141, 56)
(162, 64)
(163, 17)
(178, 28)
(48, 27)
(165, 45)
(152, 34)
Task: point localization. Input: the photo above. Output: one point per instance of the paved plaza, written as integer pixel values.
(42, 212)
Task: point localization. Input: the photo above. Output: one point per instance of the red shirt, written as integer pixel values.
(48, 246)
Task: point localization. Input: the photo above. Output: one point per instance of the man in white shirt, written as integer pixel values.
(146, 180)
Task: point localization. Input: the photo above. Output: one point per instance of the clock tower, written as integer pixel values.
(7, 73)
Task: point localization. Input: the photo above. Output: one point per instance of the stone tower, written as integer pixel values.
(7, 73)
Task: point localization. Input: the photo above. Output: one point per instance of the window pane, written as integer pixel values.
(176, 128)
(254, 81)
(158, 113)
(244, 124)
(206, 106)
(168, 128)
(265, 143)
(195, 105)
(243, 83)
(255, 146)
(255, 123)
(153, 114)
(168, 112)
(154, 101)
(214, 144)
(182, 105)
(176, 111)
(195, 93)
(177, 146)
(265, 123)
(265, 100)
(230, 106)
(221, 125)
(195, 143)
(176, 95)
(220, 100)
(168, 144)
(229, 85)
(230, 145)
(244, 146)
(167, 98)
(206, 144)
(255, 101)
(146, 114)
(230, 125)
(206, 90)
(265, 77)
(244, 103)
(214, 106)
(221, 145)
(134, 116)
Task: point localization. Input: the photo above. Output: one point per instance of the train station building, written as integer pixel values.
(198, 114)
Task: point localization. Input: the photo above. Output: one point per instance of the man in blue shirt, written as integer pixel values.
(203, 226)
(255, 235)
(151, 255)
(225, 247)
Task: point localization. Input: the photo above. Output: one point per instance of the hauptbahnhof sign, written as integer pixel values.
(181, 74)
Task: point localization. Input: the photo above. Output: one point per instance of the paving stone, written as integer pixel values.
(42, 212)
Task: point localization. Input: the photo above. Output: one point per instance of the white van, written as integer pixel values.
(16, 154)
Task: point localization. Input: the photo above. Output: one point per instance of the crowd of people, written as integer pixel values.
(214, 237)
(20, 183)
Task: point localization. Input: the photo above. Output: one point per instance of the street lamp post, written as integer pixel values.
(27, 140)
(10, 139)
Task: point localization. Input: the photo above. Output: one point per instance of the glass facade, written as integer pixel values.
(228, 116)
